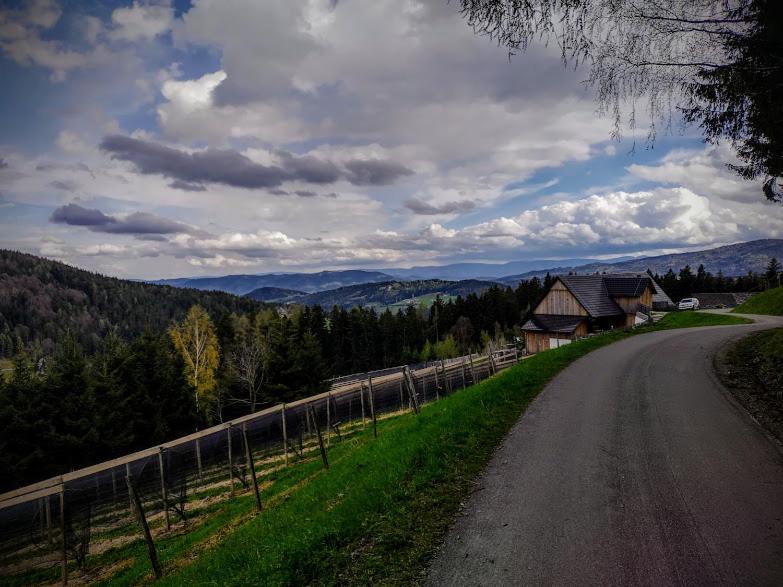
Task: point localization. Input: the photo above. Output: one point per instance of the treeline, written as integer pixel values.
(77, 406)
(43, 301)
(687, 282)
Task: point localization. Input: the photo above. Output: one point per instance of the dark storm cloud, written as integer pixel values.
(229, 167)
(213, 166)
(75, 215)
(278, 192)
(375, 172)
(138, 223)
(3, 163)
(425, 209)
(146, 223)
(185, 186)
(305, 194)
(309, 169)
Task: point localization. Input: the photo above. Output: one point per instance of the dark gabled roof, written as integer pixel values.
(592, 293)
(625, 285)
(553, 323)
(659, 296)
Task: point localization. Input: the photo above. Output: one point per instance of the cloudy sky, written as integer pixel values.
(151, 139)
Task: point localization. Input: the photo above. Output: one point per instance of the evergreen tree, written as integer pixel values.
(772, 274)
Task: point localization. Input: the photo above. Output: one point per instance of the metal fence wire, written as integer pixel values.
(62, 520)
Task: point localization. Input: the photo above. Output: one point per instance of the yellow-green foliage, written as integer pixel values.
(195, 340)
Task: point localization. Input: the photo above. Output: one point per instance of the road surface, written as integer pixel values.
(633, 466)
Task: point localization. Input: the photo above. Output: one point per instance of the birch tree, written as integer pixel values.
(250, 360)
(195, 340)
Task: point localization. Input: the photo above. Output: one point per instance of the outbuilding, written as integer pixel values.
(576, 305)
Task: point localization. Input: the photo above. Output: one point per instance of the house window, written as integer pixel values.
(558, 342)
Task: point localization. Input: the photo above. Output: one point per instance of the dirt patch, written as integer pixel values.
(752, 370)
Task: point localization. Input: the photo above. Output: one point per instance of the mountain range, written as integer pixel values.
(732, 260)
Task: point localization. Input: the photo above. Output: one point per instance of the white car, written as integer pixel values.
(688, 304)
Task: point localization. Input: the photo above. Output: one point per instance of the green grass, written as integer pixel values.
(689, 319)
(769, 302)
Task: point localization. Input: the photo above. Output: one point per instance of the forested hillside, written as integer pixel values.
(41, 300)
(387, 293)
(308, 282)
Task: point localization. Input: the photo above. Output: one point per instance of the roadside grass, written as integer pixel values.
(768, 302)
(378, 514)
(689, 319)
(752, 369)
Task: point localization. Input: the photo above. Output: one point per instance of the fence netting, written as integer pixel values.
(87, 512)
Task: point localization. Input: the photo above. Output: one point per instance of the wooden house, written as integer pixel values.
(576, 305)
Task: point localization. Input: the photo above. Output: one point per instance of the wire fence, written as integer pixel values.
(60, 521)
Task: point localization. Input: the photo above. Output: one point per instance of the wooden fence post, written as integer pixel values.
(113, 485)
(130, 499)
(516, 354)
(198, 458)
(411, 386)
(491, 356)
(41, 528)
(145, 529)
(437, 384)
(472, 371)
(446, 380)
(230, 463)
(48, 509)
(285, 436)
(361, 399)
(464, 382)
(252, 465)
(163, 493)
(320, 438)
(371, 394)
(63, 539)
(328, 418)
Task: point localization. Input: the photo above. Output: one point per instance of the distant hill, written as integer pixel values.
(390, 293)
(275, 294)
(41, 300)
(733, 260)
(484, 271)
(306, 282)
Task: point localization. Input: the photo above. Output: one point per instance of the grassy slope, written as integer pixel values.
(769, 302)
(378, 513)
(753, 371)
(688, 319)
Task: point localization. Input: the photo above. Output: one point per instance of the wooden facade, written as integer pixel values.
(536, 342)
(560, 302)
(630, 305)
